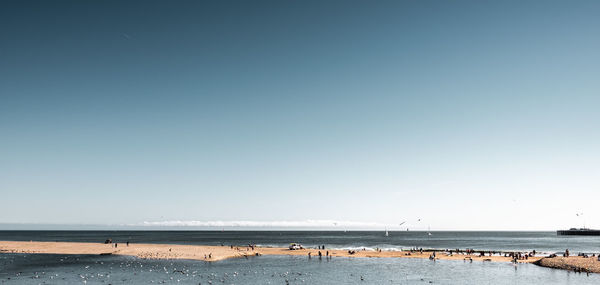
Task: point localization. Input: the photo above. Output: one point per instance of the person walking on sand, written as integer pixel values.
(320, 254)
(309, 254)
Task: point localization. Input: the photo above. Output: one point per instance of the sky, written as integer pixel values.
(449, 115)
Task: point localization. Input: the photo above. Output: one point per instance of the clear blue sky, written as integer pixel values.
(466, 114)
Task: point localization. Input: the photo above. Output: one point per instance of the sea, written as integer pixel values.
(113, 269)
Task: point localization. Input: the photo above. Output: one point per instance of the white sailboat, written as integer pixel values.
(386, 233)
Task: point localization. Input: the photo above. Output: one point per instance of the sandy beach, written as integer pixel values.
(154, 251)
(215, 253)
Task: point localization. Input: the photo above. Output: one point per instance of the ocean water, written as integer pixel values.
(545, 242)
(95, 269)
(87, 269)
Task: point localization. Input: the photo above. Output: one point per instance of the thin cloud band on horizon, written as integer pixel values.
(268, 224)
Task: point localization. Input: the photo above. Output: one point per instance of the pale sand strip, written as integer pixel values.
(214, 253)
(153, 251)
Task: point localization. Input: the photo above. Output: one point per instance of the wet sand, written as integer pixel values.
(574, 263)
(215, 253)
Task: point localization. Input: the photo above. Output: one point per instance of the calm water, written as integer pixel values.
(95, 269)
(523, 241)
(60, 269)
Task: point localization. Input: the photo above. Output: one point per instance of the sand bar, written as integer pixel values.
(215, 253)
(151, 251)
(574, 263)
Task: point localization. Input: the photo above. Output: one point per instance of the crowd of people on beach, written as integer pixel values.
(320, 254)
(115, 245)
(468, 252)
(581, 254)
(248, 247)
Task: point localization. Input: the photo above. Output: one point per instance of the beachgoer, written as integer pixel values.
(127, 243)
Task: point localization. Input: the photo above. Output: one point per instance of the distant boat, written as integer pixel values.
(429, 231)
(386, 233)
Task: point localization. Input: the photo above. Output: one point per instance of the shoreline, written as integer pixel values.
(217, 253)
